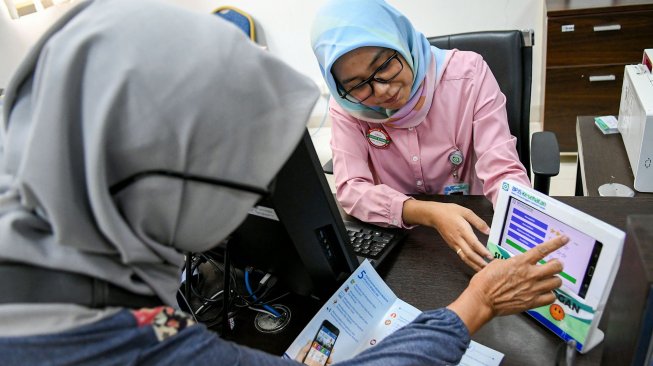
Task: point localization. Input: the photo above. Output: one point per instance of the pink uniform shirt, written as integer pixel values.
(468, 113)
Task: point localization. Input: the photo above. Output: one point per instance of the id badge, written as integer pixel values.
(458, 188)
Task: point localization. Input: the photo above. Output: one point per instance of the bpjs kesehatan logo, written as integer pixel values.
(527, 196)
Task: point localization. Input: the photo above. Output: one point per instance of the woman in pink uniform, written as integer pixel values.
(409, 118)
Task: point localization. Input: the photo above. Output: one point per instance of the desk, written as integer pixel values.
(427, 274)
(601, 159)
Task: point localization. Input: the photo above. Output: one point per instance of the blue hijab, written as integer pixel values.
(344, 25)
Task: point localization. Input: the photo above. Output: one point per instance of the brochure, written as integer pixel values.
(362, 312)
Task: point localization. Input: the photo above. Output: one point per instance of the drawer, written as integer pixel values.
(617, 38)
(570, 93)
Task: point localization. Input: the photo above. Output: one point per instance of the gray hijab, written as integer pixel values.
(119, 87)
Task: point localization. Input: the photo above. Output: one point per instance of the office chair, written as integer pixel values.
(509, 54)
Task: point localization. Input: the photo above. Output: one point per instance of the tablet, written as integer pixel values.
(524, 218)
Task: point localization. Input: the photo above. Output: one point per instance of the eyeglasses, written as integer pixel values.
(384, 74)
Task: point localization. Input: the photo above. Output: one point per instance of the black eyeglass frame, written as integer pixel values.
(344, 93)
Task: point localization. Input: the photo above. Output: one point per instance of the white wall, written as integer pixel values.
(286, 24)
(18, 35)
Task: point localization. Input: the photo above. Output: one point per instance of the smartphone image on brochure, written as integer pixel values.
(322, 345)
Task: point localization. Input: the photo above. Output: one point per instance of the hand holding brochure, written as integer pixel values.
(361, 313)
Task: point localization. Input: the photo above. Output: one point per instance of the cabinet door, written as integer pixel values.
(617, 38)
(579, 91)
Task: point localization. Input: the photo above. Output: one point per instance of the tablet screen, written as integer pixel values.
(525, 227)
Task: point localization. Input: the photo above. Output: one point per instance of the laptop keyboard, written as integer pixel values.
(370, 243)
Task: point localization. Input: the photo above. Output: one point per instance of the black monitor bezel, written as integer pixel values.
(309, 220)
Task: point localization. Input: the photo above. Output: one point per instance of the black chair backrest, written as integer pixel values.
(510, 58)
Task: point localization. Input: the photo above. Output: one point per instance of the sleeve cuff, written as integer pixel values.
(396, 211)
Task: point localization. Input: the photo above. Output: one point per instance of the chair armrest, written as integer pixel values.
(328, 167)
(545, 159)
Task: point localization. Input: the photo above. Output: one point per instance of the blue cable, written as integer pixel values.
(249, 289)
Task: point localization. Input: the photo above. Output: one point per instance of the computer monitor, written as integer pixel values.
(629, 330)
(297, 233)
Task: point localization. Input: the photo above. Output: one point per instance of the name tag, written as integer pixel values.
(458, 188)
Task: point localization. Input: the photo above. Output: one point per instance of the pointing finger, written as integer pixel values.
(539, 252)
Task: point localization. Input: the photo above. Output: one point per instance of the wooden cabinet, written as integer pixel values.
(588, 43)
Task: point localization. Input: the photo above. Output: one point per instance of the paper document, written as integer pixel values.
(361, 313)
(480, 355)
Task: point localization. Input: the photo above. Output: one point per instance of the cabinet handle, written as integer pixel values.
(606, 28)
(602, 78)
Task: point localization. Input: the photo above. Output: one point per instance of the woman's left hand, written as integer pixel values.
(454, 223)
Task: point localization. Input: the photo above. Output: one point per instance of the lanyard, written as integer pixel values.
(456, 159)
